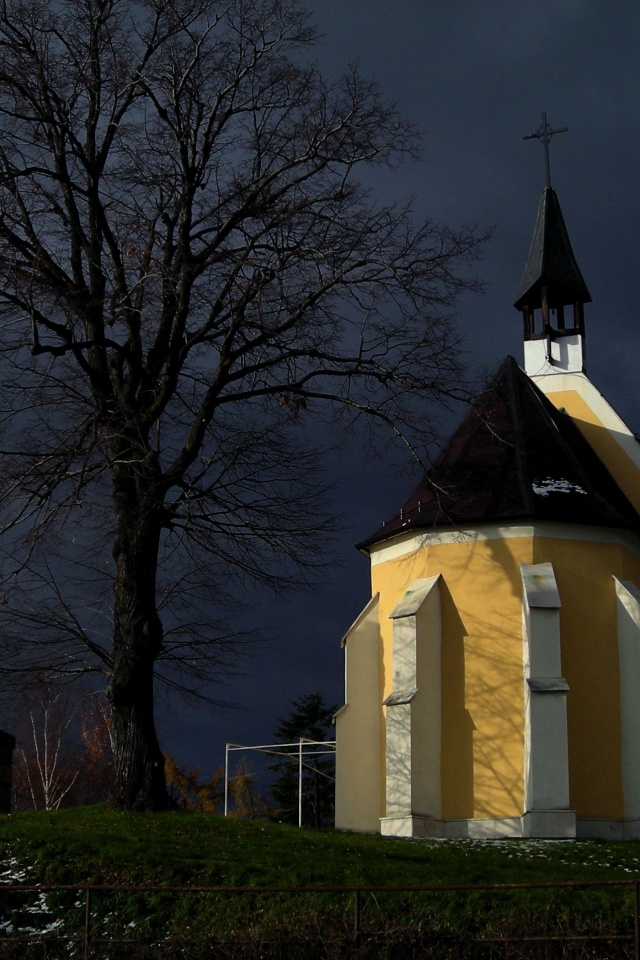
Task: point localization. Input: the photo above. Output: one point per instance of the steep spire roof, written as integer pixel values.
(513, 457)
(551, 265)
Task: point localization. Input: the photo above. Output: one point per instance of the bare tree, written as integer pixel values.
(48, 765)
(191, 277)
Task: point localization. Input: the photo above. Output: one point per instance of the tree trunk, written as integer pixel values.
(139, 782)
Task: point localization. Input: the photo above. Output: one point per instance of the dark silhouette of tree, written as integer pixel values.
(191, 277)
(312, 719)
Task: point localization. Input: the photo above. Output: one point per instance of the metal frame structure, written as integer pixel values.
(303, 747)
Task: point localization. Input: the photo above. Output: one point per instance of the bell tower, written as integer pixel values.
(552, 292)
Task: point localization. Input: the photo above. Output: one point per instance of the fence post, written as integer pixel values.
(636, 919)
(87, 923)
(356, 914)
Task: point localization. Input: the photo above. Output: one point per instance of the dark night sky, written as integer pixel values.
(474, 77)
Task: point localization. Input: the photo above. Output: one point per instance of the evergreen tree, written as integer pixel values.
(311, 718)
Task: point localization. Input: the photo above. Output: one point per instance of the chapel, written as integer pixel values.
(492, 682)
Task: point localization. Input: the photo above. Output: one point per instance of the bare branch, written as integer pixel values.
(193, 284)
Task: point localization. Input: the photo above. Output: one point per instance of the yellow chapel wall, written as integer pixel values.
(482, 671)
(590, 662)
(482, 674)
(359, 788)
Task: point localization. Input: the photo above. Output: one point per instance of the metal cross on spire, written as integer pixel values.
(544, 134)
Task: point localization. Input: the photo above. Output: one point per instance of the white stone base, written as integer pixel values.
(485, 828)
(538, 823)
(413, 826)
(608, 829)
(542, 824)
(559, 824)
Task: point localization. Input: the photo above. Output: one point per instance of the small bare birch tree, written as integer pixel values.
(48, 770)
(191, 278)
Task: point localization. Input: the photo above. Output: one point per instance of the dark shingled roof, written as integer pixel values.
(551, 262)
(514, 457)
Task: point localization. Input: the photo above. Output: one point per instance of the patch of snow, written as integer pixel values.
(12, 872)
(544, 487)
(576, 852)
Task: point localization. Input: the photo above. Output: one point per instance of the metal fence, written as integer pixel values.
(344, 922)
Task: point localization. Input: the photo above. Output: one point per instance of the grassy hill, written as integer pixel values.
(93, 845)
